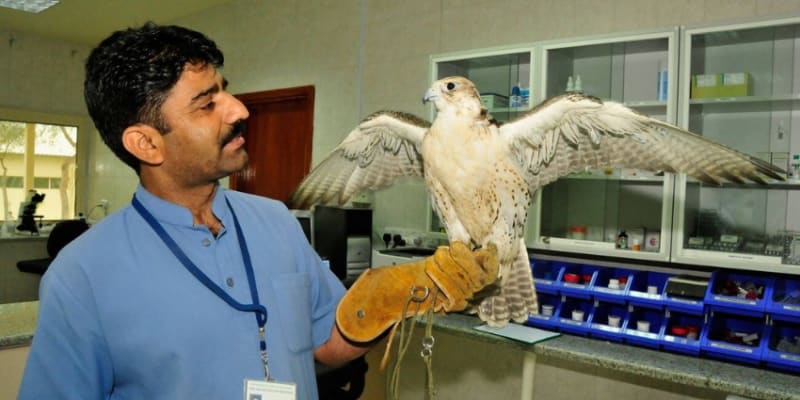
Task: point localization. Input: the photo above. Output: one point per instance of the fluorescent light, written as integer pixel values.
(31, 6)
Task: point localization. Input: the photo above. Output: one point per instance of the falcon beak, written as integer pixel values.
(429, 95)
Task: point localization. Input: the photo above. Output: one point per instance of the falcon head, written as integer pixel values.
(454, 94)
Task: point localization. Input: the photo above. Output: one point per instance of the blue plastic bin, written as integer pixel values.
(544, 321)
(676, 334)
(782, 349)
(546, 275)
(638, 335)
(565, 321)
(714, 340)
(600, 285)
(639, 293)
(718, 299)
(582, 288)
(599, 323)
(784, 303)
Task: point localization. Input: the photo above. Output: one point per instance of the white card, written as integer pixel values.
(264, 390)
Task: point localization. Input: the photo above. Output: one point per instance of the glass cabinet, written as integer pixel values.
(736, 84)
(610, 211)
(740, 86)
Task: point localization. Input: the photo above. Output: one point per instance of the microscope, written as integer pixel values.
(28, 215)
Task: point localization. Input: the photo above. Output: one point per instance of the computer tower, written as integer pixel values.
(343, 236)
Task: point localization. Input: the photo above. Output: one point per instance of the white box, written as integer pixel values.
(494, 100)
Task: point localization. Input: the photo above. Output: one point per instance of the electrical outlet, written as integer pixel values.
(412, 238)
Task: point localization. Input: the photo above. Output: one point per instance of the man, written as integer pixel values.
(192, 291)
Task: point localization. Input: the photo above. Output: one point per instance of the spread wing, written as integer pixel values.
(574, 131)
(382, 148)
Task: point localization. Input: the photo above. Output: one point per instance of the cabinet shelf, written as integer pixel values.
(510, 109)
(745, 99)
(656, 180)
(791, 184)
(646, 104)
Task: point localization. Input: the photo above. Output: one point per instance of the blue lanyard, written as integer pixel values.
(259, 310)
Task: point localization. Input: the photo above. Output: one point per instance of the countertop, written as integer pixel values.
(17, 323)
(18, 320)
(691, 371)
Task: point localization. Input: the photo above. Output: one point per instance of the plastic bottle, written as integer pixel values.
(622, 240)
(516, 96)
(526, 95)
(578, 84)
(570, 85)
(663, 83)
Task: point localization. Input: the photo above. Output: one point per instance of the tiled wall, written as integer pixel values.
(361, 55)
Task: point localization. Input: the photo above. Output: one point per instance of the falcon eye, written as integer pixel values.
(451, 85)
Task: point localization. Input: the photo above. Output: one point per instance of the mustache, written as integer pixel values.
(239, 128)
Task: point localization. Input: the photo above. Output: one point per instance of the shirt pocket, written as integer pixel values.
(293, 294)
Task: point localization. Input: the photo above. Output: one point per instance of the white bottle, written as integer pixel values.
(570, 85)
(578, 84)
(663, 86)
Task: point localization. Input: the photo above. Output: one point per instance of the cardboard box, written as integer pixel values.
(706, 85)
(735, 84)
(494, 100)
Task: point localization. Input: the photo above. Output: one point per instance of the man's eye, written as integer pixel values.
(208, 106)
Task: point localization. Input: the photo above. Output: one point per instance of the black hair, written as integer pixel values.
(130, 74)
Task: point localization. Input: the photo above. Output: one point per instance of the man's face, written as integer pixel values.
(203, 145)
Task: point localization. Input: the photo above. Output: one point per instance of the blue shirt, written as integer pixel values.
(121, 318)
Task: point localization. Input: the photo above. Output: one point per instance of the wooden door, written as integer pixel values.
(278, 141)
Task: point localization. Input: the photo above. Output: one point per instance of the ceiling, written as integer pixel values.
(90, 21)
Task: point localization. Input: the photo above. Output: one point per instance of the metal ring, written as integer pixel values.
(426, 352)
(415, 290)
(427, 342)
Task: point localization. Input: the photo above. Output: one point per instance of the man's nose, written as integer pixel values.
(236, 110)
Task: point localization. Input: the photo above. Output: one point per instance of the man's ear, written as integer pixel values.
(145, 143)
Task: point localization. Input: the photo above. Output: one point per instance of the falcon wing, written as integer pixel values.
(382, 148)
(574, 131)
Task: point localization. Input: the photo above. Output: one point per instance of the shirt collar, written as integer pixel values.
(175, 214)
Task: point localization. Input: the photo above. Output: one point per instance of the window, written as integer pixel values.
(38, 157)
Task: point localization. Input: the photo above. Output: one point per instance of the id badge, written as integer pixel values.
(269, 390)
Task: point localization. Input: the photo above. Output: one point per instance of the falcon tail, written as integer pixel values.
(515, 297)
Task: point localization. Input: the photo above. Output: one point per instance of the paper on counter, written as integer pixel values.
(522, 333)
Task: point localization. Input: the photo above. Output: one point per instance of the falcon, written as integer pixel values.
(481, 175)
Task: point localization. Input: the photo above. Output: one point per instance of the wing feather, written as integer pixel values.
(382, 148)
(574, 131)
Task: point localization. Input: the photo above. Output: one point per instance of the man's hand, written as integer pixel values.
(460, 273)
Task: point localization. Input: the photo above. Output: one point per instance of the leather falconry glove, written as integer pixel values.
(378, 298)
